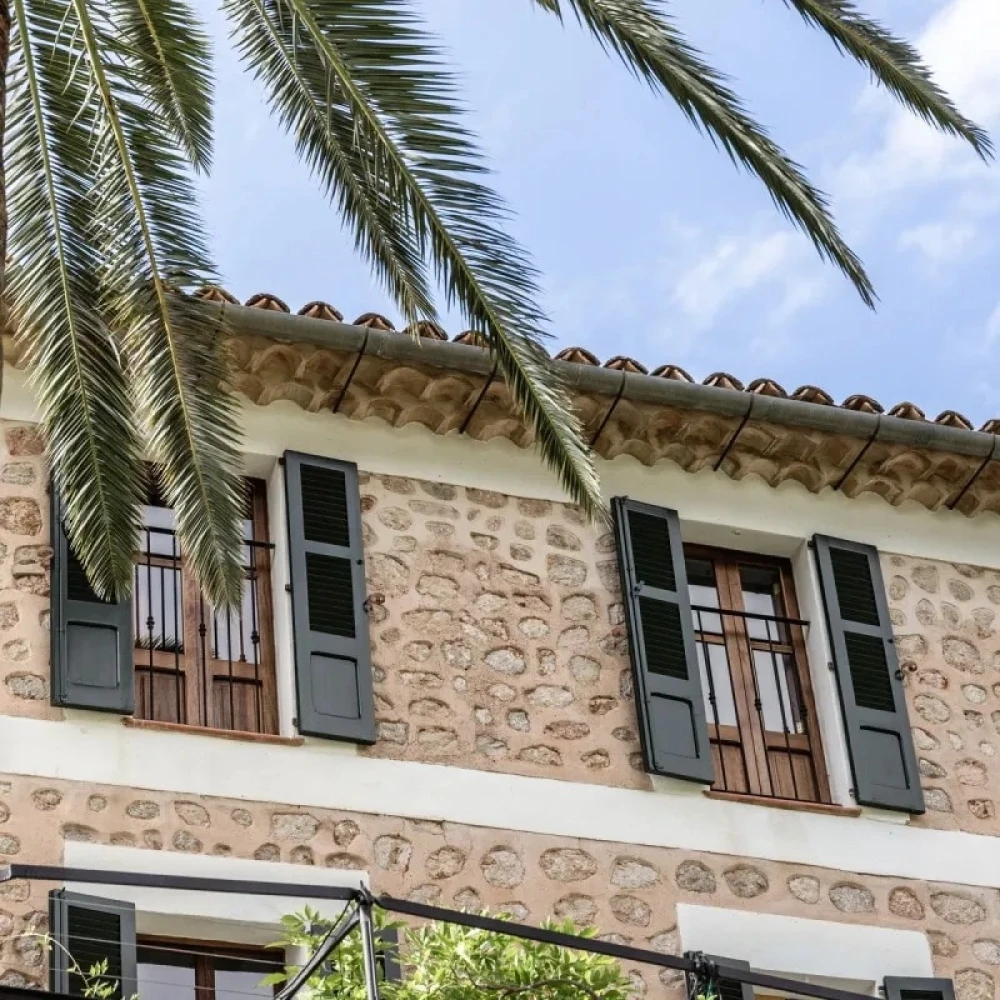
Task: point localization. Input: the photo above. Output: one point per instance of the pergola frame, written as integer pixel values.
(702, 972)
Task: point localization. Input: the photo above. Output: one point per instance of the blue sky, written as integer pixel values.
(650, 242)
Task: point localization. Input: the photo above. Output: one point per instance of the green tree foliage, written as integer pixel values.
(449, 962)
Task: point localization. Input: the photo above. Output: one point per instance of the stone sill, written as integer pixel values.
(223, 734)
(764, 800)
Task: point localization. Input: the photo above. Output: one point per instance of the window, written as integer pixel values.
(196, 665)
(180, 970)
(754, 676)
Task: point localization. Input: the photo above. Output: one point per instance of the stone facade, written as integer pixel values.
(629, 892)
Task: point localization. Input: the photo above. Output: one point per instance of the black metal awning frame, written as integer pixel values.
(361, 902)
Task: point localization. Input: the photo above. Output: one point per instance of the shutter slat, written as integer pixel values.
(88, 931)
(879, 740)
(92, 639)
(669, 704)
(332, 651)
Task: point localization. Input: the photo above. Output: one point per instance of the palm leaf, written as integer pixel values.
(894, 63)
(170, 62)
(152, 251)
(371, 57)
(81, 389)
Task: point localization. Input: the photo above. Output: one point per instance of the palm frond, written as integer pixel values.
(649, 43)
(81, 389)
(325, 139)
(371, 58)
(146, 228)
(894, 63)
(170, 59)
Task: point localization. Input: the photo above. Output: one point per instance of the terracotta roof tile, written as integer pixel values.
(580, 355)
(620, 363)
(907, 411)
(321, 310)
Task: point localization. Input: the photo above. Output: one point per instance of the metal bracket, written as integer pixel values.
(703, 979)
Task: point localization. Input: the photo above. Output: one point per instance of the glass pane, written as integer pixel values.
(716, 684)
(158, 981)
(777, 684)
(238, 978)
(158, 604)
(158, 538)
(761, 586)
(703, 593)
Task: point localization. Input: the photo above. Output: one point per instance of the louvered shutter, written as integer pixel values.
(667, 679)
(387, 954)
(879, 741)
(728, 989)
(92, 639)
(900, 988)
(87, 931)
(332, 652)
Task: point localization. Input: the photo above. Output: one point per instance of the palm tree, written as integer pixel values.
(110, 109)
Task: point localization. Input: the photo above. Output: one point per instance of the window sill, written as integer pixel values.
(224, 734)
(764, 800)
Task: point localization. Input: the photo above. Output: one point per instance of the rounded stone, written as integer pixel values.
(30, 687)
(443, 588)
(974, 984)
(971, 772)
(566, 571)
(468, 899)
(631, 910)
(941, 944)
(11, 845)
(596, 760)
(579, 608)
(962, 655)
(533, 628)
(565, 729)
(931, 708)
(601, 704)
(97, 803)
(294, 826)
(982, 808)
(926, 578)
(957, 908)
(428, 893)
(550, 696)
(345, 861)
(974, 693)
(142, 809)
(987, 951)
(187, 842)
(577, 907)
(392, 853)
(445, 862)
(695, 876)
(567, 864)
(960, 590)
(929, 769)
(560, 537)
(395, 518)
(746, 881)
(46, 798)
(518, 720)
(502, 868)
(937, 800)
(925, 740)
(20, 516)
(506, 660)
(241, 817)
(849, 897)
(633, 873)
(584, 669)
(804, 888)
(192, 814)
(904, 903)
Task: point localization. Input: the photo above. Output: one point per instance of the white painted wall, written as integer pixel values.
(845, 956)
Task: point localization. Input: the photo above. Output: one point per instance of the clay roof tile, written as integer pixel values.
(318, 309)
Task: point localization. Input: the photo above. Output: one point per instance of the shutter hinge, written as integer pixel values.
(371, 601)
(830, 665)
(288, 588)
(281, 460)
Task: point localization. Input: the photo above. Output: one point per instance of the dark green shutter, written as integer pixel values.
(900, 988)
(86, 931)
(879, 741)
(91, 639)
(332, 651)
(668, 692)
(387, 954)
(727, 989)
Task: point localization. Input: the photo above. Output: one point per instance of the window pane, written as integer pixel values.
(716, 684)
(776, 683)
(703, 593)
(761, 586)
(158, 981)
(230, 985)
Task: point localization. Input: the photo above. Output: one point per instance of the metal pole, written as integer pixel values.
(368, 944)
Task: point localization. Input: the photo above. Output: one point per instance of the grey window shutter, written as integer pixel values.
(92, 639)
(387, 954)
(668, 692)
(903, 988)
(85, 932)
(879, 740)
(728, 989)
(332, 650)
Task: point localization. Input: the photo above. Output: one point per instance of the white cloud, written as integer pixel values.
(940, 243)
(961, 43)
(738, 266)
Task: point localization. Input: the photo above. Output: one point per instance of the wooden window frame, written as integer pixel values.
(192, 699)
(203, 956)
(755, 743)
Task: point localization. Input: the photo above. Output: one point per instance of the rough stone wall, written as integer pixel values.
(500, 643)
(944, 616)
(629, 892)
